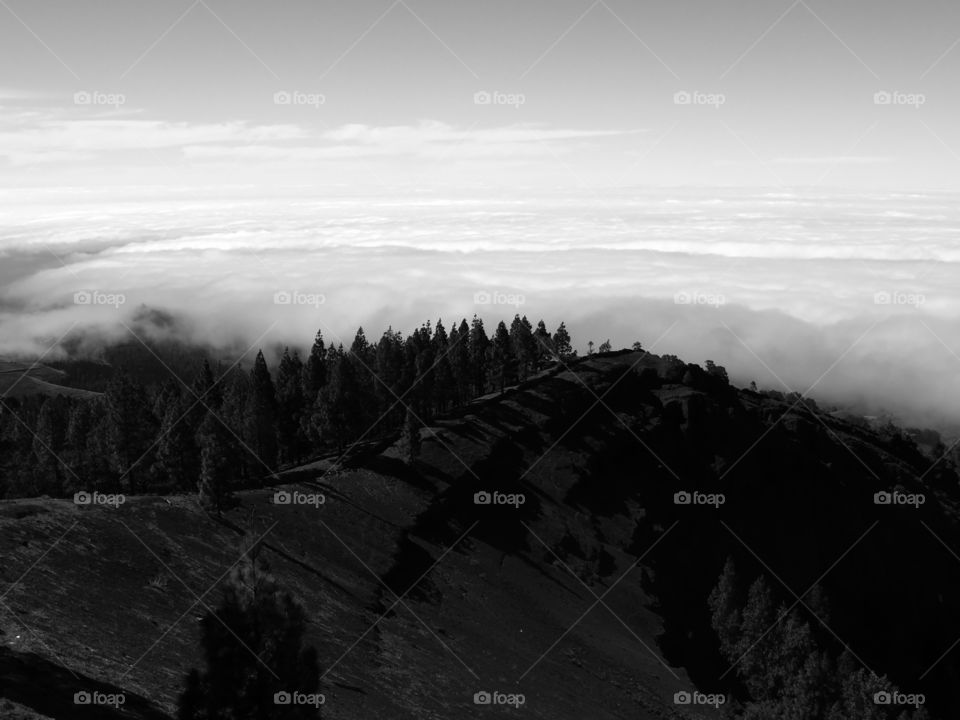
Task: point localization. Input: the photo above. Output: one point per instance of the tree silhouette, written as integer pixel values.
(261, 417)
(561, 343)
(290, 403)
(782, 664)
(219, 463)
(253, 647)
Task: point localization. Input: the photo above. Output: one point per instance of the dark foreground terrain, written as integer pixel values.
(589, 598)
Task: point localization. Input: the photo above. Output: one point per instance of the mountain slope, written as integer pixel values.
(589, 598)
(19, 379)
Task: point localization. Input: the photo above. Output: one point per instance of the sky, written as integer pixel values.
(772, 185)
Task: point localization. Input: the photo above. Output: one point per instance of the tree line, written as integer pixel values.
(235, 427)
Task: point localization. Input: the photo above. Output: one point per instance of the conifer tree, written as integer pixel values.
(131, 429)
(410, 438)
(503, 357)
(479, 348)
(315, 369)
(458, 347)
(261, 435)
(561, 343)
(290, 404)
(543, 346)
(177, 454)
(253, 649)
(219, 463)
(48, 442)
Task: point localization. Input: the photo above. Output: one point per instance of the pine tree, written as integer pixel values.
(543, 346)
(48, 442)
(219, 463)
(78, 450)
(315, 369)
(253, 649)
(340, 403)
(503, 357)
(479, 347)
(131, 429)
(445, 387)
(410, 438)
(178, 456)
(290, 404)
(561, 343)
(523, 346)
(205, 392)
(459, 353)
(779, 660)
(261, 435)
(234, 414)
(390, 373)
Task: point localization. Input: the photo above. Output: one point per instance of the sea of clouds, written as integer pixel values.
(853, 294)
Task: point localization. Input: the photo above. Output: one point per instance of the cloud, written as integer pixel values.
(752, 270)
(836, 160)
(26, 138)
(90, 131)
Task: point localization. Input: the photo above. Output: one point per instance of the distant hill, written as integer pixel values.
(18, 379)
(505, 597)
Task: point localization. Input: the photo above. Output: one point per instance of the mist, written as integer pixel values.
(850, 296)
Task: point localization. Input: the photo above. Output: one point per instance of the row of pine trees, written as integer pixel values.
(231, 426)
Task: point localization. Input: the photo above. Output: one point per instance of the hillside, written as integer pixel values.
(19, 379)
(589, 598)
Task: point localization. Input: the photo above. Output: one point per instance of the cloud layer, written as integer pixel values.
(776, 286)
